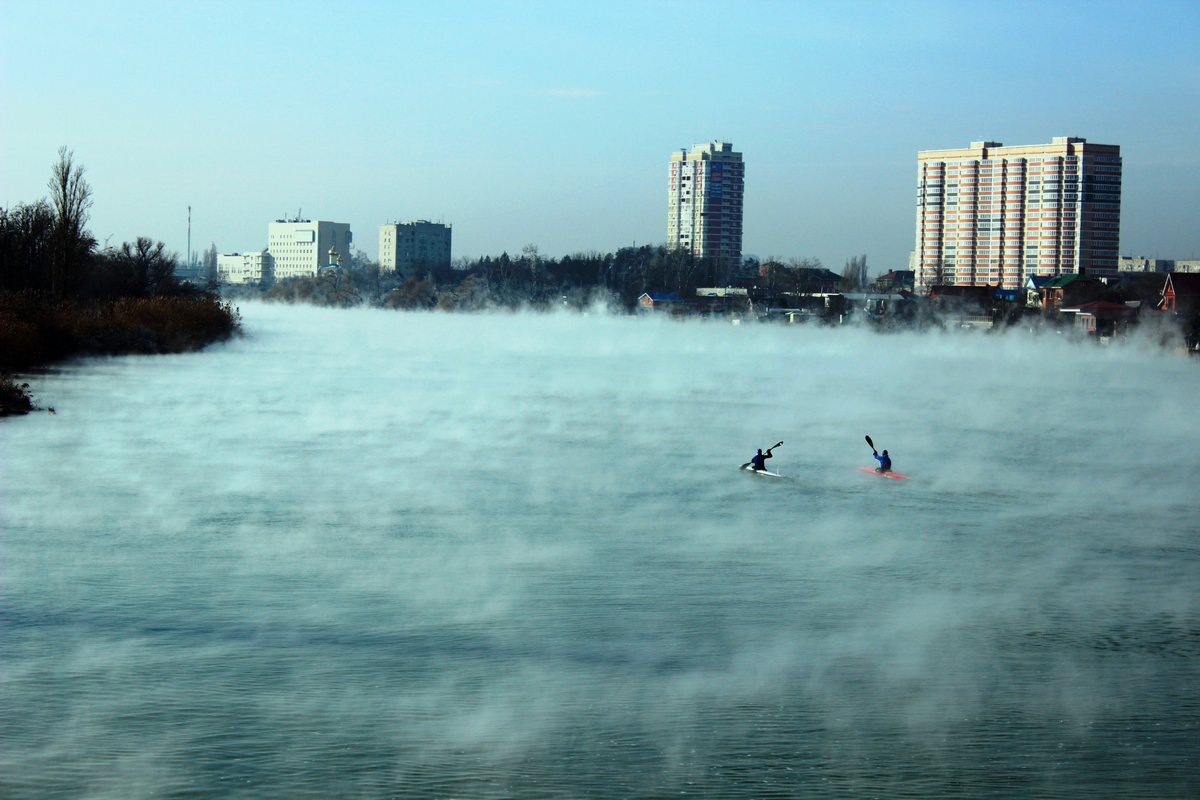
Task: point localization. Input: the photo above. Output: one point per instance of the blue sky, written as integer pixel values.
(551, 123)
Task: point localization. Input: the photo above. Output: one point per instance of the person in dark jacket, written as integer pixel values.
(885, 461)
(760, 458)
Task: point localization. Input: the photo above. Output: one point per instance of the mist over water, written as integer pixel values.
(374, 554)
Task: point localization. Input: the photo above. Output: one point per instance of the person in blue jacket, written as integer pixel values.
(758, 462)
(885, 461)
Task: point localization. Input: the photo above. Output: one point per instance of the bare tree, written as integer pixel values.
(27, 236)
(145, 267)
(209, 261)
(71, 198)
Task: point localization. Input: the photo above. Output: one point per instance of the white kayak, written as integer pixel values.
(762, 472)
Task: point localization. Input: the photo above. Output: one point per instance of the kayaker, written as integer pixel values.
(759, 460)
(885, 461)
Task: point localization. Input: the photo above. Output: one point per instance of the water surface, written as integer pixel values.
(374, 554)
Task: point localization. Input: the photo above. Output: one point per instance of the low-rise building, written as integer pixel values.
(1159, 265)
(895, 280)
(1070, 289)
(1143, 264)
(1100, 317)
(658, 301)
(1181, 293)
(244, 267)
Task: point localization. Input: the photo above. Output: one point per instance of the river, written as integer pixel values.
(375, 554)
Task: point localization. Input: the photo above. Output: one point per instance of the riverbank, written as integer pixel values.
(36, 332)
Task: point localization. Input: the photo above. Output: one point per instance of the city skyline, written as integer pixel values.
(547, 124)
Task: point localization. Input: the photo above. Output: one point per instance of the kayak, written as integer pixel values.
(762, 472)
(896, 476)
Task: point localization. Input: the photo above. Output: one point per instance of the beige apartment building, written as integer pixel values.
(704, 201)
(994, 215)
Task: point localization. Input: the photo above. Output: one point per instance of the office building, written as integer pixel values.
(300, 247)
(408, 248)
(995, 215)
(704, 202)
(244, 267)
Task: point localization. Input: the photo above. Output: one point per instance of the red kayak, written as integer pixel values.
(896, 476)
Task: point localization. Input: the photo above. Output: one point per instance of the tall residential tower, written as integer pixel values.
(704, 202)
(995, 215)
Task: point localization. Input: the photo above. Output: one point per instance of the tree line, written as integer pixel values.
(62, 295)
(530, 280)
(46, 248)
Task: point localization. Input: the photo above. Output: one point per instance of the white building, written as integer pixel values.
(1143, 264)
(300, 247)
(408, 247)
(244, 267)
(704, 201)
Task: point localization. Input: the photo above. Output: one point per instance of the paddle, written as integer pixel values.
(871, 444)
(769, 449)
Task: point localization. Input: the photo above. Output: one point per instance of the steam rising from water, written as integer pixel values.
(383, 554)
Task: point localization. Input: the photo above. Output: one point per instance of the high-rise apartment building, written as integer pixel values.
(300, 247)
(995, 215)
(704, 202)
(408, 247)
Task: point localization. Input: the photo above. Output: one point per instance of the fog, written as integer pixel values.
(375, 554)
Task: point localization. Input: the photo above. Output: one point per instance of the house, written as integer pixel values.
(1070, 289)
(659, 301)
(953, 297)
(1144, 289)
(1181, 293)
(1100, 317)
(970, 306)
(722, 299)
(1033, 290)
(774, 276)
(815, 280)
(895, 280)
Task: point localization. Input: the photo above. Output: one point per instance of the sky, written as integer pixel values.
(552, 123)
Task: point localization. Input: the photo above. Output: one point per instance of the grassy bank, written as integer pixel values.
(35, 332)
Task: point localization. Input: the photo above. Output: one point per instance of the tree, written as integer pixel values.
(854, 275)
(27, 236)
(943, 274)
(209, 263)
(71, 198)
(413, 295)
(335, 287)
(142, 268)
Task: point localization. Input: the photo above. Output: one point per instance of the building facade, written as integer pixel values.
(244, 267)
(1142, 264)
(407, 248)
(995, 215)
(704, 201)
(300, 247)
